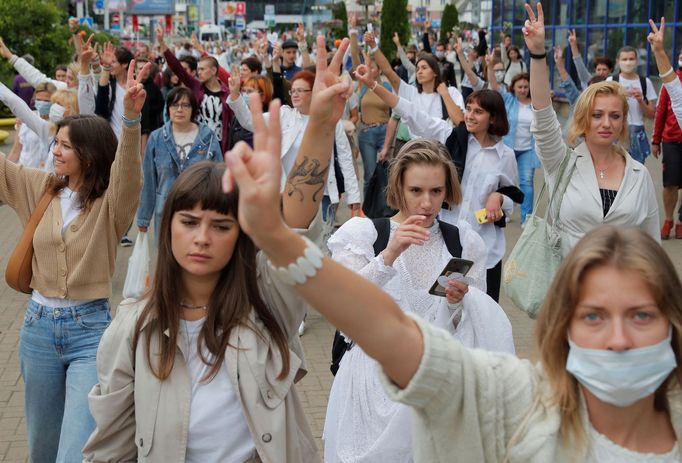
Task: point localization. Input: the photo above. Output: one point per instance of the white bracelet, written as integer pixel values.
(666, 73)
(303, 268)
(373, 50)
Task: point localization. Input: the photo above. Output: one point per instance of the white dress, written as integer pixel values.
(362, 424)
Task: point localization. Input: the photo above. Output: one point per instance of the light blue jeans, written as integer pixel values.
(527, 161)
(58, 350)
(370, 141)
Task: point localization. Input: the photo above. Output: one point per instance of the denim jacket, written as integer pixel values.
(512, 106)
(161, 166)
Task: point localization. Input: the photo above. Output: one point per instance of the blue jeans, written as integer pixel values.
(639, 143)
(370, 141)
(527, 161)
(58, 350)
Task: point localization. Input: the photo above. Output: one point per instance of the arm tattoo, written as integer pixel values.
(307, 172)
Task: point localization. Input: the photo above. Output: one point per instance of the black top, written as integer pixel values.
(607, 198)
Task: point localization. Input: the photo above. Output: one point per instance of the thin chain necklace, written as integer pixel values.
(602, 171)
(184, 305)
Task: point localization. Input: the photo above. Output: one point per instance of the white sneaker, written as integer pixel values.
(301, 328)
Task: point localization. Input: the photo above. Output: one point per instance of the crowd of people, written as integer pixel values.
(242, 152)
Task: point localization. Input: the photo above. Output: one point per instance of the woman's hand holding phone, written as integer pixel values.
(410, 232)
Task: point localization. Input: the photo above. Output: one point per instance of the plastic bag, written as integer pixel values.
(137, 278)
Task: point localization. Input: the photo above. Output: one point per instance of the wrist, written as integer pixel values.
(130, 118)
(539, 55)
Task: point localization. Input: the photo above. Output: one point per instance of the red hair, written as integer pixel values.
(306, 76)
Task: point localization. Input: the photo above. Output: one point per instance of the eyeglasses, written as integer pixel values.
(249, 91)
(298, 91)
(180, 106)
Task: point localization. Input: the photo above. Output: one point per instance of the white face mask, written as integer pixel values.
(622, 378)
(440, 54)
(56, 113)
(499, 76)
(628, 66)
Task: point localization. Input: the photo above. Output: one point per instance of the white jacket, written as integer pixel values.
(292, 124)
(581, 210)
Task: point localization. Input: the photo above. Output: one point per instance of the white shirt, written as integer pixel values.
(430, 103)
(217, 425)
(116, 121)
(522, 141)
(34, 153)
(603, 450)
(289, 157)
(487, 169)
(635, 114)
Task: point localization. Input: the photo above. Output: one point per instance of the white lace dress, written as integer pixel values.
(362, 424)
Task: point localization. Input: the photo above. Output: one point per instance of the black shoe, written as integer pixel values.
(126, 242)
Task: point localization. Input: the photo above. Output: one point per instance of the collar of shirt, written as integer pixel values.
(497, 147)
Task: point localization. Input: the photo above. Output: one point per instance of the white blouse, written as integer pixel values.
(603, 450)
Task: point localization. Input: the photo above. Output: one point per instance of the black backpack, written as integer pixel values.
(383, 227)
(642, 83)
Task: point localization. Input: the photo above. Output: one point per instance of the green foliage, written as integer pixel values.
(37, 27)
(100, 37)
(449, 20)
(394, 18)
(339, 12)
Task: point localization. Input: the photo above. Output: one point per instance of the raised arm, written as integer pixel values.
(20, 109)
(476, 82)
(386, 68)
(303, 46)
(32, 75)
(190, 82)
(86, 92)
(567, 84)
(354, 49)
(409, 66)
(668, 76)
(492, 81)
(583, 74)
(454, 112)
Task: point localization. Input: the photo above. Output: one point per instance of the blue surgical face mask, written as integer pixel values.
(622, 378)
(245, 97)
(43, 107)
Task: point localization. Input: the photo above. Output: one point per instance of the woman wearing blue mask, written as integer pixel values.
(28, 149)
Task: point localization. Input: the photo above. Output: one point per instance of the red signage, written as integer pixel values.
(240, 9)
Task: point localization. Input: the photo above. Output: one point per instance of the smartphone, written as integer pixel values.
(482, 216)
(456, 265)
(370, 28)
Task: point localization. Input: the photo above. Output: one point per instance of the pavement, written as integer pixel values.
(313, 388)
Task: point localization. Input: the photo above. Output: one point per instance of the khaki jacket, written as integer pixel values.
(140, 418)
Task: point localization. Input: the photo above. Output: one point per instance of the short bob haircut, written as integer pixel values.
(627, 249)
(264, 87)
(306, 76)
(421, 151)
(492, 102)
(176, 95)
(582, 115)
(432, 62)
(605, 60)
(520, 76)
(253, 64)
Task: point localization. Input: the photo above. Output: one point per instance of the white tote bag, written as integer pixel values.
(137, 278)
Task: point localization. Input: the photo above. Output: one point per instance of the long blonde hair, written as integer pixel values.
(582, 115)
(626, 249)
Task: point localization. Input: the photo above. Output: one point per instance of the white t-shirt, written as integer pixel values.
(603, 450)
(217, 425)
(184, 142)
(430, 103)
(116, 121)
(34, 153)
(522, 141)
(635, 115)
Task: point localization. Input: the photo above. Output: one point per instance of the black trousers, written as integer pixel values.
(493, 278)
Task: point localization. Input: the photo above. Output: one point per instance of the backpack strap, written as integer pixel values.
(444, 109)
(383, 227)
(457, 144)
(451, 238)
(642, 84)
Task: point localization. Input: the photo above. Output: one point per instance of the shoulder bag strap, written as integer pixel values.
(383, 226)
(451, 238)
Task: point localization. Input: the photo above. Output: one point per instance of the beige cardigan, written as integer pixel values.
(470, 405)
(140, 418)
(80, 264)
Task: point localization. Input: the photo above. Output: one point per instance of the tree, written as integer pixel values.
(449, 20)
(394, 18)
(37, 27)
(339, 12)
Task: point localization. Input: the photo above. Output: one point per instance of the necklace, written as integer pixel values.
(602, 171)
(184, 305)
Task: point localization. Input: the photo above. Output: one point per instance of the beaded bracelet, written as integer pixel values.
(303, 268)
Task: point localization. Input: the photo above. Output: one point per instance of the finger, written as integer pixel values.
(228, 181)
(274, 129)
(338, 56)
(339, 89)
(652, 24)
(131, 72)
(414, 219)
(87, 44)
(238, 171)
(529, 10)
(662, 24)
(541, 14)
(321, 54)
(260, 136)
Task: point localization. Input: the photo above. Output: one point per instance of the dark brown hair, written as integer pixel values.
(176, 95)
(520, 76)
(94, 143)
(435, 67)
(123, 55)
(253, 64)
(605, 60)
(236, 294)
(492, 101)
